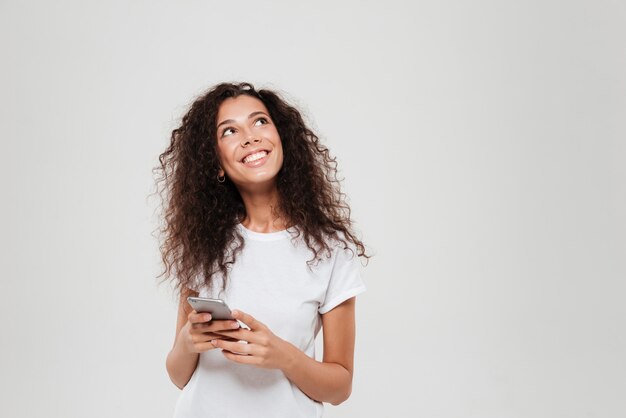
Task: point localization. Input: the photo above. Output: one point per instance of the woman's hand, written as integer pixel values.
(200, 330)
(263, 348)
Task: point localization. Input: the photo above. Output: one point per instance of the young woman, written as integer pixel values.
(255, 217)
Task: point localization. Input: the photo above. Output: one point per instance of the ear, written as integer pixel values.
(221, 172)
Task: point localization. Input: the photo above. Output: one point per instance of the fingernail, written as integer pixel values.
(235, 312)
(214, 342)
(234, 325)
(207, 317)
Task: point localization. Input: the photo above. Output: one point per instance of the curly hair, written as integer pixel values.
(201, 214)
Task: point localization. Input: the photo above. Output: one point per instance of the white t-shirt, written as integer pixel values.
(271, 281)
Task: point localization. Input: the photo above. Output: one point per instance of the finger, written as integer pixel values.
(233, 347)
(221, 337)
(216, 325)
(223, 325)
(206, 346)
(196, 318)
(206, 337)
(229, 339)
(238, 358)
(240, 334)
(210, 336)
(247, 319)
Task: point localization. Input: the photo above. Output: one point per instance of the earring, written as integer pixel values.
(222, 179)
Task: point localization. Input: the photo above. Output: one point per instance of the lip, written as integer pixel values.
(254, 152)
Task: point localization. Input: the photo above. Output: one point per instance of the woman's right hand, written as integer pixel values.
(197, 333)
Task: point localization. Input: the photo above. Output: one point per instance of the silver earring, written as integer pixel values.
(222, 179)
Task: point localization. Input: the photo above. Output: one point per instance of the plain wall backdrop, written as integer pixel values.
(484, 155)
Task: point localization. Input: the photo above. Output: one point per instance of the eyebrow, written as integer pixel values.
(251, 115)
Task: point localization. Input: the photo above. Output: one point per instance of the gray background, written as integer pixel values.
(482, 145)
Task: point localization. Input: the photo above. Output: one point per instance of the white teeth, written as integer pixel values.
(255, 157)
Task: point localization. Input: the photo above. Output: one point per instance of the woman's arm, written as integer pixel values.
(181, 364)
(326, 381)
(195, 332)
(329, 380)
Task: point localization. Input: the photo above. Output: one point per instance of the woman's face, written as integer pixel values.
(248, 144)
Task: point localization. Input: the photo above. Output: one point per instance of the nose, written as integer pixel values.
(249, 139)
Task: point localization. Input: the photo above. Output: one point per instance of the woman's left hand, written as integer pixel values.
(264, 349)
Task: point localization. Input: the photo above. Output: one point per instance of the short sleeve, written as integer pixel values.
(345, 279)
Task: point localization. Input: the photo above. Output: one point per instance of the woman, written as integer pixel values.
(255, 217)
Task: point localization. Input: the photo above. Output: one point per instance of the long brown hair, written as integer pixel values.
(201, 214)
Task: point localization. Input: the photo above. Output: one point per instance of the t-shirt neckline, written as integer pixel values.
(264, 236)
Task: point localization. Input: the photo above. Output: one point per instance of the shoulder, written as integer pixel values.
(327, 248)
(341, 246)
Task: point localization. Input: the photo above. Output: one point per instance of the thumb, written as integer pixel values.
(247, 319)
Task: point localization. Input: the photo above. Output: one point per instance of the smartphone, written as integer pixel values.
(216, 307)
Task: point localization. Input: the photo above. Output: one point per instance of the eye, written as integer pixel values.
(226, 130)
(262, 119)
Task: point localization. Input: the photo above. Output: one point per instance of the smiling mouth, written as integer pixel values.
(255, 157)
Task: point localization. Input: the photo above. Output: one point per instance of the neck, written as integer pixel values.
(262, 211)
